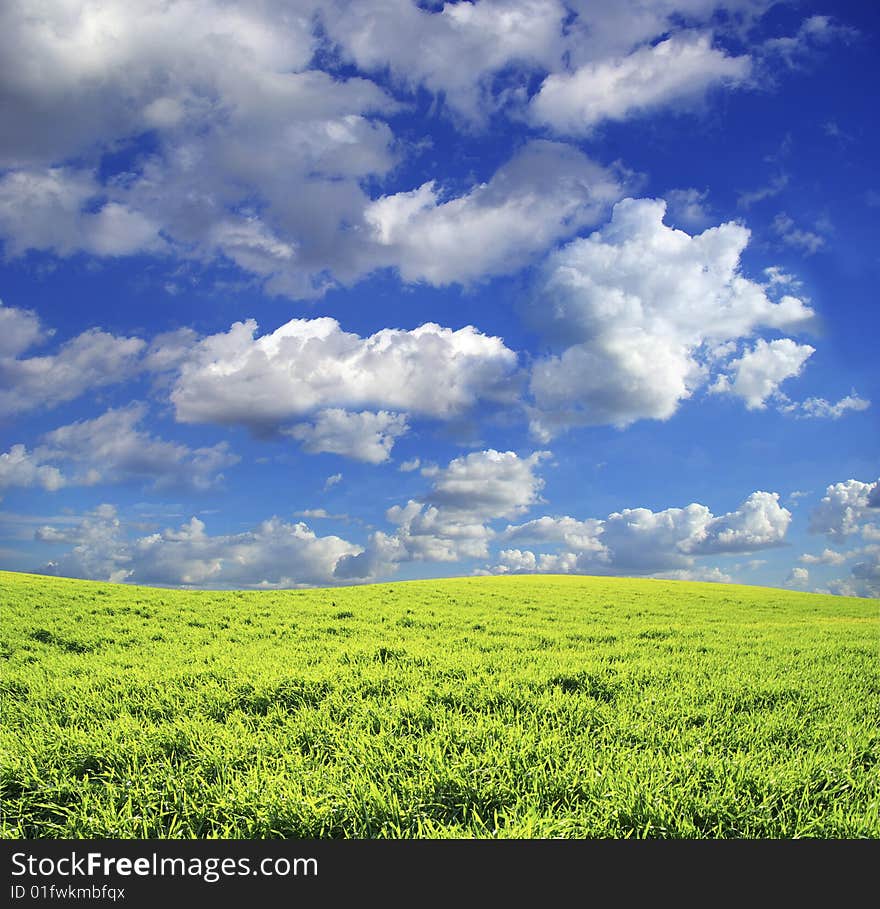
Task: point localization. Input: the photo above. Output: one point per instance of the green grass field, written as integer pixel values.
(523, 707)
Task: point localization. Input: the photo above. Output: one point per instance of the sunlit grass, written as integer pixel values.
(484, 707)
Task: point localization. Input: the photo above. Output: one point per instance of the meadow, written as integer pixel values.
(523, 707)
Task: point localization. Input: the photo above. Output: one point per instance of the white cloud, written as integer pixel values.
(866, 574)
(452, 520)
(847, 508)
(169, 350)
(706, 574)
(20, 329)
(260, 160)
(604, 29)
(582, 536)
(310, 365)
(807, 241)
(514, 560)
(90, 360)
(488, 484)
(411, 465)
(18, 467)
(776, 277)
(496, 44)
(332, 480)
(427, 533)
(112, 70)
(826, 557)
(820, 408)
(257, 157)
(273, 554)
(677, 70)
(759, 523)
(99, 551)
(364, 436)
(51, 209)
(639, 541)
(112, 449)
(798, 577)
(545, 192)
(864, 577)
(237, 118)
(419, 45)
(320, 513)
(758, 373)
(645, 313)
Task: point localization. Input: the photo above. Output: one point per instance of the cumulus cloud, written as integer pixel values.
(822, 409)
(452, 520)
(582, 536)
(99, 550)
(52, 210)
(545, 192)
(417, 44)
(20, 329)
(364, 436)
(516, 560)
(259, 158)
(19, 467)
(273, 554)
(798, 577)
(866, 574)
(488, 484)
(864, 577)
(169, 350)
(113, 70)
(114, 448)
(759, 523)
(826, 557)
(645, 314)
(90, 360)
(237, 116)
(310, 365)
(678, 70)
(758, 373)
(490, 39)
(256, 156)
(355, 393)
(639, 541)
(320, 513)
(608, 30)
(847, 508)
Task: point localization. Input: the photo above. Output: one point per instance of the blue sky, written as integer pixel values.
(325, 293)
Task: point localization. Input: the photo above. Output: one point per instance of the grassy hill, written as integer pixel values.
(515, 707)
